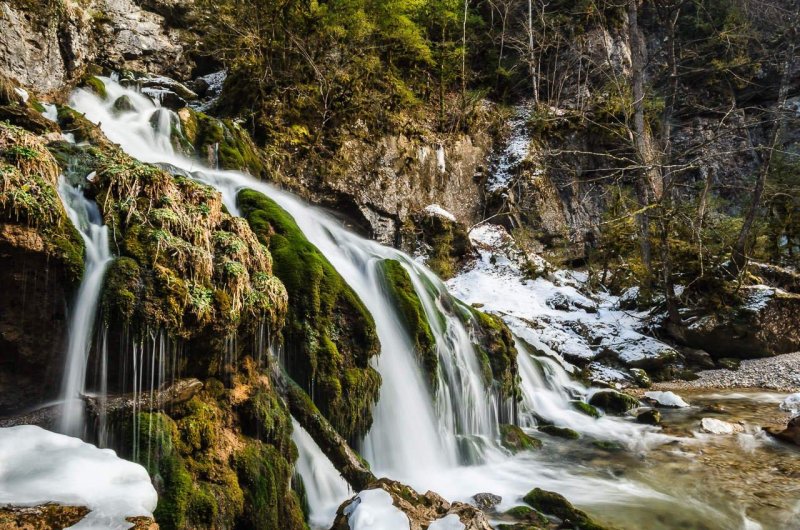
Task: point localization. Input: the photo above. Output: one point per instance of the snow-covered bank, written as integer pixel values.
(39, 466)
(553, 312)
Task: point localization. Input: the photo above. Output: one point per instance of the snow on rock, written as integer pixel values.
(438, 211)
(39, 466)
(374, 509)
(791, 405)
(758, 296)
(450, 522)
(713, 426)
(516, 151)
(667, 399)
(22, 93)
(552, 312)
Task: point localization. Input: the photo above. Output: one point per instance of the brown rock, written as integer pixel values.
(44, 517)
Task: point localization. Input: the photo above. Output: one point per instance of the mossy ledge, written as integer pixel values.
(329, 335)
(412, 315)
(29, 199)
(185, 265)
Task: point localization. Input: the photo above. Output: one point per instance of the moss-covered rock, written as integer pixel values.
(560, 432)
(557, 505)
(585, 408)
(495, 344)
(28, 197)
(515, 439)
(221, 142)
(412, 314)
(649, 417)
(329, 334)
(445, 242)
(613, 402)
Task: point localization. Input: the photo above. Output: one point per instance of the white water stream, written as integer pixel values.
(86, 217)
(446, 442)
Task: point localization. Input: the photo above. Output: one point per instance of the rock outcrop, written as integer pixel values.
(420, 509)
(48, 46)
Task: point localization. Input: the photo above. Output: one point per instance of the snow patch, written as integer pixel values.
(50, 112)
(438, 211)
(373, 510)
(552, 312)
(39, 466)
(441, 163)
(516, 151)
(667, 399)
(449, 522)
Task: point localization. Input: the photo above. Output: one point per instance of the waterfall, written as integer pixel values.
(445, 440)
(325, 488)
(85, 215)
(444, 425)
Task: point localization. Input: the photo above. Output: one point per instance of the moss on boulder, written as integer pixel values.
(329, 335)
(585, 408)
(613, 402)
(412, 314)
(515, 439)
(495, 344)
(445, 240)
(560, 432)
(551, 503)
(221, 142)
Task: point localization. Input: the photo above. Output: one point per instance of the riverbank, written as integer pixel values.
(780, 373)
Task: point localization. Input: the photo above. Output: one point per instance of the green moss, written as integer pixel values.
(447, 241)
(234, 148)
(497, 351)
(613, 402)
(552, 503)
(96, 85)
(412, 314)
(264, 474)
(28, 174)
(605, 445)
(329, 334)
(582, 406)
(559, 432)
(515, 439)
(121, 289)
(527, 514)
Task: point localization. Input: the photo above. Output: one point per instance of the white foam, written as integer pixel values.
(374, 510)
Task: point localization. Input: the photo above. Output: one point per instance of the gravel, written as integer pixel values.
(780, 373)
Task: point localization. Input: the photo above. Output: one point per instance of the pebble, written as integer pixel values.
(780, 373)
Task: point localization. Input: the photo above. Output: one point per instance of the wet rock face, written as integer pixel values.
(49, 48)
(44, 517)
(33, 320)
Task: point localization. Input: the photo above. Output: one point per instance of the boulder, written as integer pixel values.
(585, 408)
(641, 378)
(486, 501)
(613, 402)
(551, 503)
(649, 417)
(515, 439)
(766, 323)
(791, 434)
(560, 432)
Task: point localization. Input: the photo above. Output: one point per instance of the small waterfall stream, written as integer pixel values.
(447, 441)
(86, 217)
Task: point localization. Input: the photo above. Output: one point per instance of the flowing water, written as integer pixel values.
(447, 441)
(86, 217)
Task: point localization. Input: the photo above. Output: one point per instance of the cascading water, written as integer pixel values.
(421, 438)
(86, 217)
(324, 487)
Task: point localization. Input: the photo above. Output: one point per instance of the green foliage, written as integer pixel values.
(412, 315)
(329, 335)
